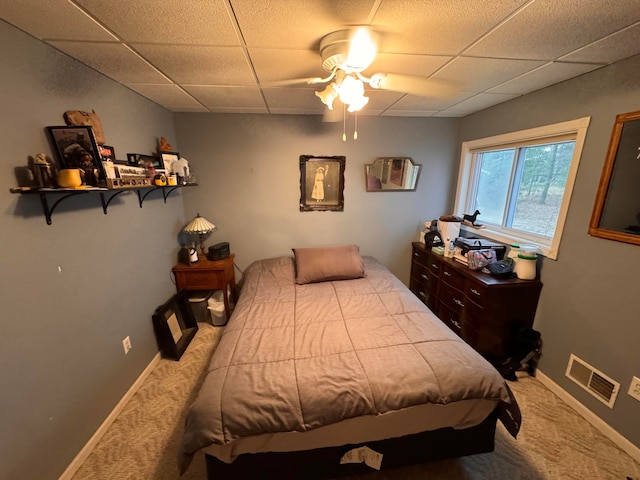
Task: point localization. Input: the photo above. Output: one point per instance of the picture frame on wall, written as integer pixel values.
(174, 325)
(322, 183)
(168, 159)
(76, 147)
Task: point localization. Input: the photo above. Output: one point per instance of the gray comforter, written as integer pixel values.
(297, 357)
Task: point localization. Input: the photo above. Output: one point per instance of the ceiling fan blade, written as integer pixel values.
(413, 85)
(292, 81)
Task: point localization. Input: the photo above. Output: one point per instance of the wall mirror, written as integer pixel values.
(616, 212)
(392, 174)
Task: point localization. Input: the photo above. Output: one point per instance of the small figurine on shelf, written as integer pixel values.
(43, 171)
(164, 146)
(181, 169)
(471, 219)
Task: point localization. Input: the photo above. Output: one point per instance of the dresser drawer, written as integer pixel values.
(425, 277)
(421, 256)
(452, 277)
(452, 298)
(476, 292)
(450, 318)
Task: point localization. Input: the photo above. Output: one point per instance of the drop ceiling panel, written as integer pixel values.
(478, 102)
(610, 49)
(59, 19)
(438, 27)
(420, 65)
(478, 74)
(302, 99)
(296, 24)
(412, 102)
(544, 76)
(196, 22)
(273, 65)
(170, 96)
(199, 65)
(113, 60)
(548, 29)
(226, 97)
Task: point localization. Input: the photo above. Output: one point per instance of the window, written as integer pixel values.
(521, 183)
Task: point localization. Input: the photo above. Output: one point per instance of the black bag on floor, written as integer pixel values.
(524, 350)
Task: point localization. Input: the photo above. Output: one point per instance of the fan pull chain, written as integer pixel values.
(355, 126)
(344, 122)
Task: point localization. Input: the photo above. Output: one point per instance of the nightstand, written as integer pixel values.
(208, 275)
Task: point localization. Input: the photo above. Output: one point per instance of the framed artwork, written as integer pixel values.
(76, 147)
(168, 159)
(175, 325)
(616, 214)
(107, 152)
(146, 161)
(322, 183)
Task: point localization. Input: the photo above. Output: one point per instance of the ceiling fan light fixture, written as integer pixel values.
(351, 92)
(328, 95)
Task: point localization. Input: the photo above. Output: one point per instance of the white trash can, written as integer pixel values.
(215, 305)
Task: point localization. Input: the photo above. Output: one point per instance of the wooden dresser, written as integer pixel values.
(484, 310)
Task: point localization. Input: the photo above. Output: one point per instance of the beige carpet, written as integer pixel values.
(554, 442)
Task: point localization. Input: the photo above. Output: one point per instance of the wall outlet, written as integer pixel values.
(634, 388)
(126, 344)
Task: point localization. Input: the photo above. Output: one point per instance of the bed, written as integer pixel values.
(327, 352)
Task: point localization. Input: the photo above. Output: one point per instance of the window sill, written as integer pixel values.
(508, 238)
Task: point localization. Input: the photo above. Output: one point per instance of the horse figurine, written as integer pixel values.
(471, 218)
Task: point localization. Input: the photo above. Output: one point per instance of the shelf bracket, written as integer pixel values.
(141, 197)
(105, 204)
(45, 203)
(167, 191)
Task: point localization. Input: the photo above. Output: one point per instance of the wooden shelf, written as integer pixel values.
(46, 195)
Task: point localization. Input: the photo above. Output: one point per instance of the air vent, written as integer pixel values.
(592, 380)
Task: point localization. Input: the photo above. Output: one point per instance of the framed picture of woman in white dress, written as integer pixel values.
(322, 183)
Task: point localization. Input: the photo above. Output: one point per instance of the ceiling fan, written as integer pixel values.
(346, 54)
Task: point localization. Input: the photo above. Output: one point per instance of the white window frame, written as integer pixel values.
(575, 128)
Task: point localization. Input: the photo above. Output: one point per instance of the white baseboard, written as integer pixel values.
(590, 417)
(93, 441)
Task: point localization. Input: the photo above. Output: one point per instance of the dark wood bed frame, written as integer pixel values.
(324, 463)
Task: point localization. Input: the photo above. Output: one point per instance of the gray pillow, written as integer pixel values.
(322, 264)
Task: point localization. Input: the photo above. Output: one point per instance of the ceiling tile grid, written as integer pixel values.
(252, 56)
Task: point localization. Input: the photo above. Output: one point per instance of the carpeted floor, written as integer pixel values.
(554, 442)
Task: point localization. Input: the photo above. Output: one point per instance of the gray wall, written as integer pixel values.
(62, 366)
(248, 169)
(590, 302)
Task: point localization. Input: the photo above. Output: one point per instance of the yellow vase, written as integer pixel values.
(69, 178)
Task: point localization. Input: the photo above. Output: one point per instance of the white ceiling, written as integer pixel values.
(221, 55)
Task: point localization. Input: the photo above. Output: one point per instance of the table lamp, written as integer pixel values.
(200, 226)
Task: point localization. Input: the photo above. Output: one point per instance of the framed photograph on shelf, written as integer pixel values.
(168, 159)
(146, 161)
(76, 147)
(107, 153)
(175, 325)
(322, 183)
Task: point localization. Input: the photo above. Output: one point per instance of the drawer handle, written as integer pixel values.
(473, 290)
(416, 254)
(422, 294)
(435, 266)
(424, 276)
(458, 302)
(447, 273)
(457, 324)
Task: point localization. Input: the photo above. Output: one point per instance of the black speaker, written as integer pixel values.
(218, 251)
